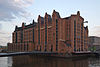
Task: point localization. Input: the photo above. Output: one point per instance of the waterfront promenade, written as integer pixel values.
(51, 54)
(28, 53)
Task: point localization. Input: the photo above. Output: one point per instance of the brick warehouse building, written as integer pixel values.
(51, 34)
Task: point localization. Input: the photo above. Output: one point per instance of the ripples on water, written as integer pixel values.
(34, 61)
(3, 61)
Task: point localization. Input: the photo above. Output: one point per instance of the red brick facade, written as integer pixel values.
(52, 34)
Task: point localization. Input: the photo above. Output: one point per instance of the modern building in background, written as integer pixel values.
(3, 48)
(51, 34)
(94, 41)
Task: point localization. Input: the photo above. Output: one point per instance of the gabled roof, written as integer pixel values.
(26, 26)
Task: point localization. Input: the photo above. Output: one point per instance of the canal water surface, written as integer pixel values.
(36, 61)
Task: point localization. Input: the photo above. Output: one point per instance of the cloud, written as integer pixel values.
(2, 32)
(5, 37)
(10, 9)
(0, 26)
(95, 31)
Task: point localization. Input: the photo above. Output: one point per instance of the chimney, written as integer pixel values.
(23, 25)
(78, 13)
(16, 27)
(46, 14)
(33, 22)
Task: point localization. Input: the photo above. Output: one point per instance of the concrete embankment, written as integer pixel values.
(50, 54)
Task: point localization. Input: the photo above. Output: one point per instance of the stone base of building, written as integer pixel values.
(20, 47)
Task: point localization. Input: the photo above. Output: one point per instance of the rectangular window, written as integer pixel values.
(56, 35)
(16, 37)
(24, 47)
(40, 48)
(45, 48)
(27, 46)
(45, 32)
(74, 35)
(82, 36)
(33, 35)
(38, 34)
(51, 48)
(21, 36)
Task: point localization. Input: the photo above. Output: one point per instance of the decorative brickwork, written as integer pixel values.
(51, 34)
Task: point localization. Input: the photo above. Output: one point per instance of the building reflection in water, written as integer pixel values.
(36, 61)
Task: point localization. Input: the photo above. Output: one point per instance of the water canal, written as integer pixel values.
(36, 61)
